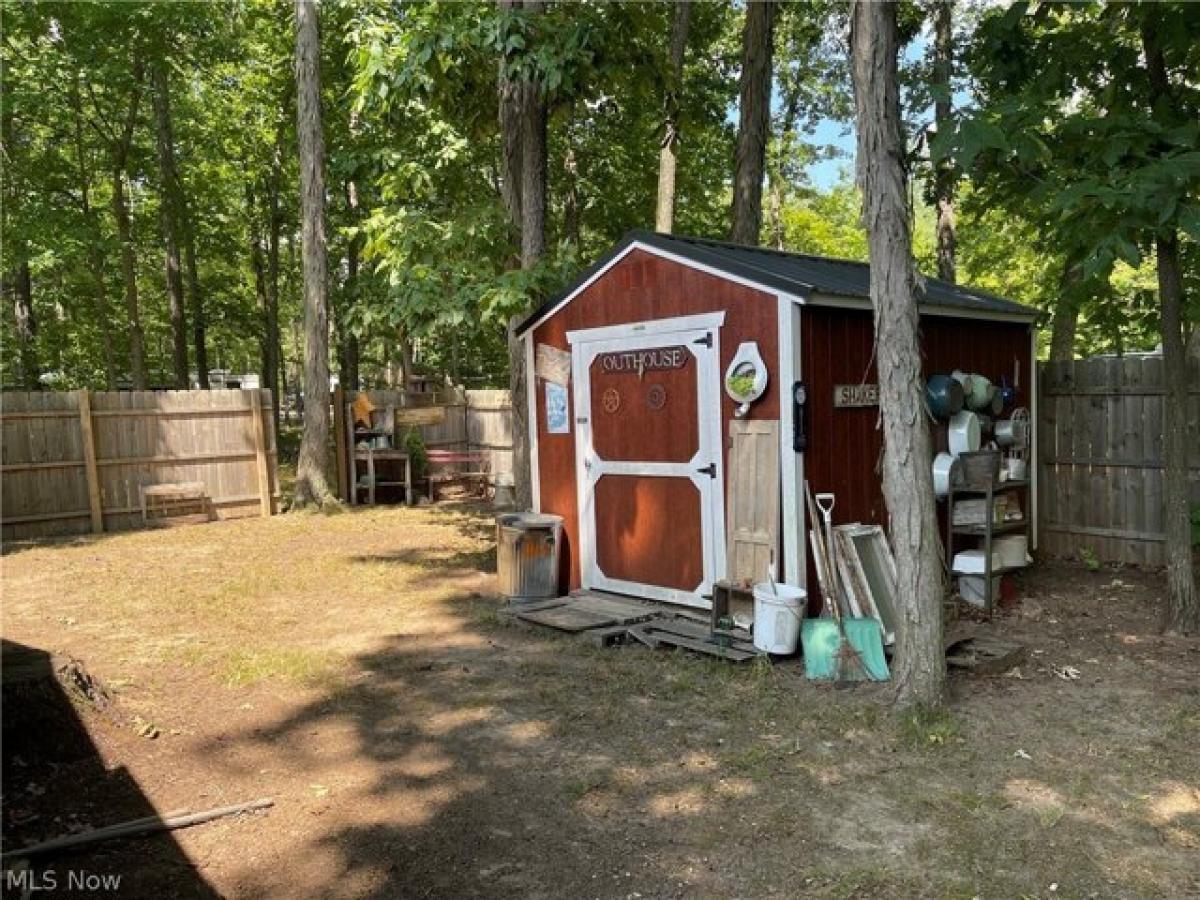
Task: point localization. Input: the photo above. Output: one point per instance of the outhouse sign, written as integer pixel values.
(852, 395)
(640, 361)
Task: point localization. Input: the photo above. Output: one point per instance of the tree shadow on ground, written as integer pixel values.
(516, 764)
(55, 782)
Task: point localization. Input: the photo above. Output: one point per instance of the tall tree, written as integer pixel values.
(26, 326)
(1113, 163)
(120, 144)
(668, 154)
(944, 174)
(920, 670)
(311, 484)
(169, 215)
(523, 157)
(754, 120)
(1183, 611)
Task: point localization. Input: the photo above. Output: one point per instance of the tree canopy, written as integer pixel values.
(1067, 161)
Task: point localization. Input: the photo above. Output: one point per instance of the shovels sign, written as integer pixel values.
(851, 395)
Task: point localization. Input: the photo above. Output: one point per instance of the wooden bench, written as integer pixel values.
(173, 499)
(479, 476)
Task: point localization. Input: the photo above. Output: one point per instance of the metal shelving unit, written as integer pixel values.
(987, 531)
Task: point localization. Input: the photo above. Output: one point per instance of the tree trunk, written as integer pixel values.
(95, 249)
(754, 122)
(1066, 314)
(920, 668)
(664, 215)
(137, 352)
(273, 374)
(943, 70)
(199, 326)
(776, 182)
(349, 340)
(169, 215)
(26, 327)
(509, 103)
(311, 484)
(1183, 606)
(572, 213)
(531, 137)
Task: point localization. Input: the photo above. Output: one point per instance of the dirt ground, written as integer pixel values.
(354, 669)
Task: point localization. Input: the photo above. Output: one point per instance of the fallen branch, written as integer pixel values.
(134, 828)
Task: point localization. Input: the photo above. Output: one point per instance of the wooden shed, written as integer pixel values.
(630, 418)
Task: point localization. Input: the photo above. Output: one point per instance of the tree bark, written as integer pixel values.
(95, 249)
(920, 668)
(311, 484)
(1066, 314)
(509, 103)
(572, 208)
(664, 215)
(776, 183)
(754, 121)
(944, 178)
(120, 208)
(531, 137)
(169, 216)
(273, 373)
(349, 349)
(1183, 605)
(26, 327)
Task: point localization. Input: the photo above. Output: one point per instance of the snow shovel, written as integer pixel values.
(837, 648)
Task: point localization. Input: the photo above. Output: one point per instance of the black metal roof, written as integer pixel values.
(819, 279)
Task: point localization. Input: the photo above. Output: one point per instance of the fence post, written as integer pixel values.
(89, 459)
(260, 452)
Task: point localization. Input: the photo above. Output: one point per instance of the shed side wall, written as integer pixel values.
(846, 445)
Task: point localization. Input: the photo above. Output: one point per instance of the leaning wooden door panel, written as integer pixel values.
(753, 499)
(649, 531)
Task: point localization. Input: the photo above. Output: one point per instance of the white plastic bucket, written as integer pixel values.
(777, 615)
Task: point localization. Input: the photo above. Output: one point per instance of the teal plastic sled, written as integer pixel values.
(822, 638)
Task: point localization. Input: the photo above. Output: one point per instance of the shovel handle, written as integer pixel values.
(825, 502)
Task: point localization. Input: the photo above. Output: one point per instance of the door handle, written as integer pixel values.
(710, 470)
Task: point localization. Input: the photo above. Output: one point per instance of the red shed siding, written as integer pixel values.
(845, 445)
(641, 287)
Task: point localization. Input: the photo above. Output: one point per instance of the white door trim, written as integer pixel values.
(586, 345)
(649, 327)
(531, 423)
(791, 463)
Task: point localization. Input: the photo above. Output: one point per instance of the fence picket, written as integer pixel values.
(1100, 457)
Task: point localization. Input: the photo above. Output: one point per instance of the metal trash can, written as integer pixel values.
(527, 547)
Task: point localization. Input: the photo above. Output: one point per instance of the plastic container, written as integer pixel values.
(777, 617)
(527, 549)
(1013, 549)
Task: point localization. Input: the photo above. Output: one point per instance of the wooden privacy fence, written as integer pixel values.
(75, 462)
(466, 421)
(1100, 457)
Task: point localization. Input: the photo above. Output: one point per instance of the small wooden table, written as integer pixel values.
(370, 455)
(170, 497)
(439, 458)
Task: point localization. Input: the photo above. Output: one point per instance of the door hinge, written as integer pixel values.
(706, 340)
(710, 470)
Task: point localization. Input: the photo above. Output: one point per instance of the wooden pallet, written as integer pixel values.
(605, 620)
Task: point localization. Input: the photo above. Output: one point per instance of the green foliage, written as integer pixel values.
(414, 446)
(1090, 560)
